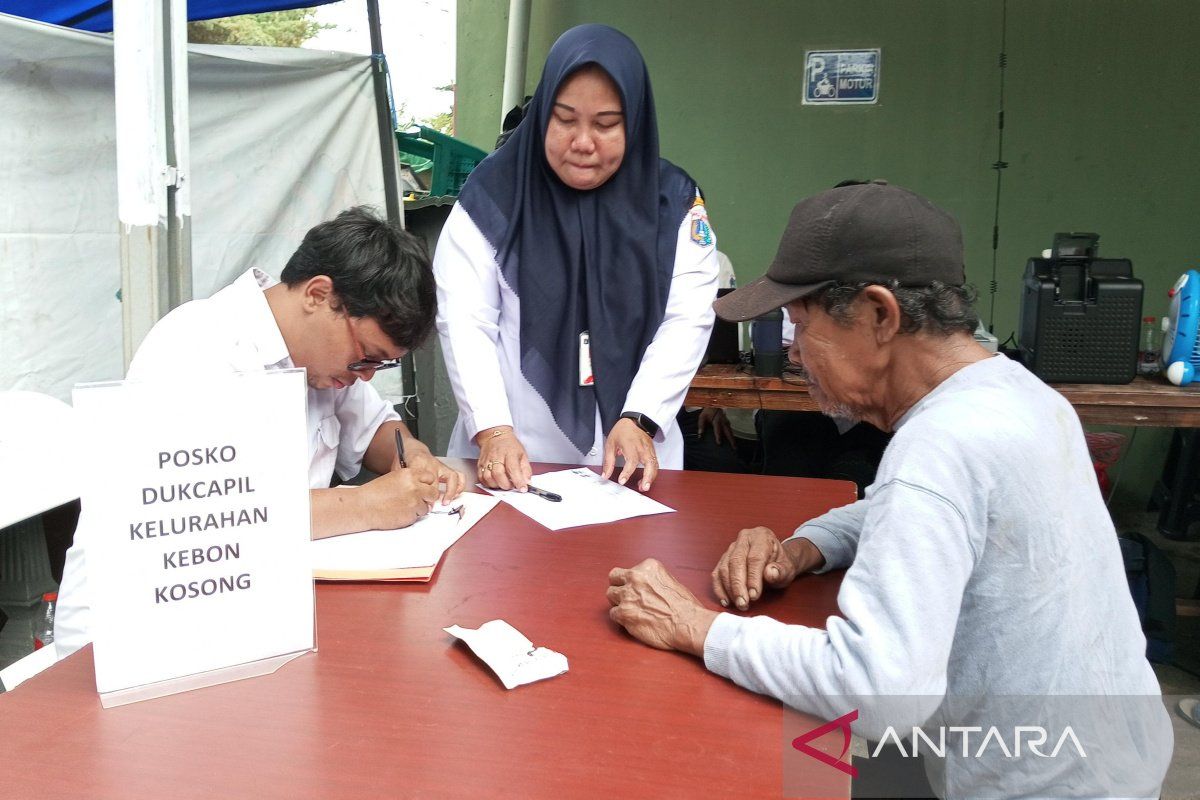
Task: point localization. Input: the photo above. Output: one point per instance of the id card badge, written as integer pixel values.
(585, 360)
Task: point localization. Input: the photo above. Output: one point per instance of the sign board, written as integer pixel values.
(841, 77)
(195, 524)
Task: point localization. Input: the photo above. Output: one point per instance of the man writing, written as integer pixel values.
(982, 562)
(355, 297)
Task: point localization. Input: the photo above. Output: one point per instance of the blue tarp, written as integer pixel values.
(89, 15)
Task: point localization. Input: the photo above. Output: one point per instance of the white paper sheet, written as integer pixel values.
(420, 545)
(25, 668)
(587, 499)
(184, 579)
(511, 656)
(29, 453)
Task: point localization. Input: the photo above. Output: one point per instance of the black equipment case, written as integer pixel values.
(1080, 315)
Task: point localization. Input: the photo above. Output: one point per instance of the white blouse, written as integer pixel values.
(479, 323)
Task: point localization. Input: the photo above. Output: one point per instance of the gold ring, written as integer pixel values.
(489, 464)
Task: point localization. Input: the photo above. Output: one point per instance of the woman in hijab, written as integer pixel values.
(575, 278)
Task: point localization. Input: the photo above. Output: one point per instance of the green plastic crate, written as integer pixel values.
(452, 159)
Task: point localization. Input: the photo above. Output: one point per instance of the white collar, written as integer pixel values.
(262, 329)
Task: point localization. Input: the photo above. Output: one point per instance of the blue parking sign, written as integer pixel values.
(840, 77)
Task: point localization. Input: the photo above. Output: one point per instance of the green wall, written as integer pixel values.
(1101, 109)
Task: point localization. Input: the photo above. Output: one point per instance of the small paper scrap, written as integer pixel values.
(511, 656)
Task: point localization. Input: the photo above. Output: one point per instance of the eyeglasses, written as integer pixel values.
(364, 364)
(367, 364)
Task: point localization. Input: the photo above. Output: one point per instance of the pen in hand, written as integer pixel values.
(400, 449)
(403, 461)
(542, 493)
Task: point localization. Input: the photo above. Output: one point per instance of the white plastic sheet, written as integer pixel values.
(281, 139)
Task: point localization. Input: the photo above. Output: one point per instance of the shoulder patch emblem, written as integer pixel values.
(701, 232)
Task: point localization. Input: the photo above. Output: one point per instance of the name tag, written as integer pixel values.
(585, 360)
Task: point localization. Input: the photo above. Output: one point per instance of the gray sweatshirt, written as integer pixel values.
(982, 564)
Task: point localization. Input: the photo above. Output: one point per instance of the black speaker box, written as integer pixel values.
(1080, 319)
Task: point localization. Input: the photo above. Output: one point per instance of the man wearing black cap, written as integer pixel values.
(981, 564)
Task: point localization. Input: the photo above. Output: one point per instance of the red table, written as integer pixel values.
(391, 706)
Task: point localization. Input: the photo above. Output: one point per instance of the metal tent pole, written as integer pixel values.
(391, 186)
(153, 162)
(383, 116)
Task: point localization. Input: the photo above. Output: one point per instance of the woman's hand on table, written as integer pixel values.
(503, 463)
(628, 440)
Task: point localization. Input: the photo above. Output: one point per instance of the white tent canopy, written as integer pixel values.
(281, 139)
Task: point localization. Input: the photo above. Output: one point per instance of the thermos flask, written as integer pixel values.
(766, 338)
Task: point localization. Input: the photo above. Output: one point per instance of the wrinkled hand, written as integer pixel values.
(401, 497)
(503, 463)
(716, 418)
(657, 609)
(627, 439)
(757, 557)
(419, 457)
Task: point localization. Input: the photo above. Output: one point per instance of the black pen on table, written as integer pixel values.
(542, 493)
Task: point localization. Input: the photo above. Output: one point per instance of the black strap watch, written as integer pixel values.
(642, 421)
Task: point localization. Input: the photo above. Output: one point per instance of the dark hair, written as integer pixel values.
(936, 308)
(378, 271)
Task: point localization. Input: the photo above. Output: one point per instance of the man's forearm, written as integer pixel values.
(693, 631)
(338, 511)
(835, 534)
(382, 450)
(806, 555)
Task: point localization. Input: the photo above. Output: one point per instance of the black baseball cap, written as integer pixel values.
(869, 232)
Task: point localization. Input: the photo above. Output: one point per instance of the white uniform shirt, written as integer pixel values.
(479, 322)
(232, 331)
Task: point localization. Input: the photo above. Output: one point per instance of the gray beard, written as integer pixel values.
(842, 414)
(839, 412)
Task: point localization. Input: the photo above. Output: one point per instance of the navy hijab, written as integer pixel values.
(600, 260)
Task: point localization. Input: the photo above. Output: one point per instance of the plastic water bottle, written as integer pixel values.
(43, 632)
(1148, 347)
